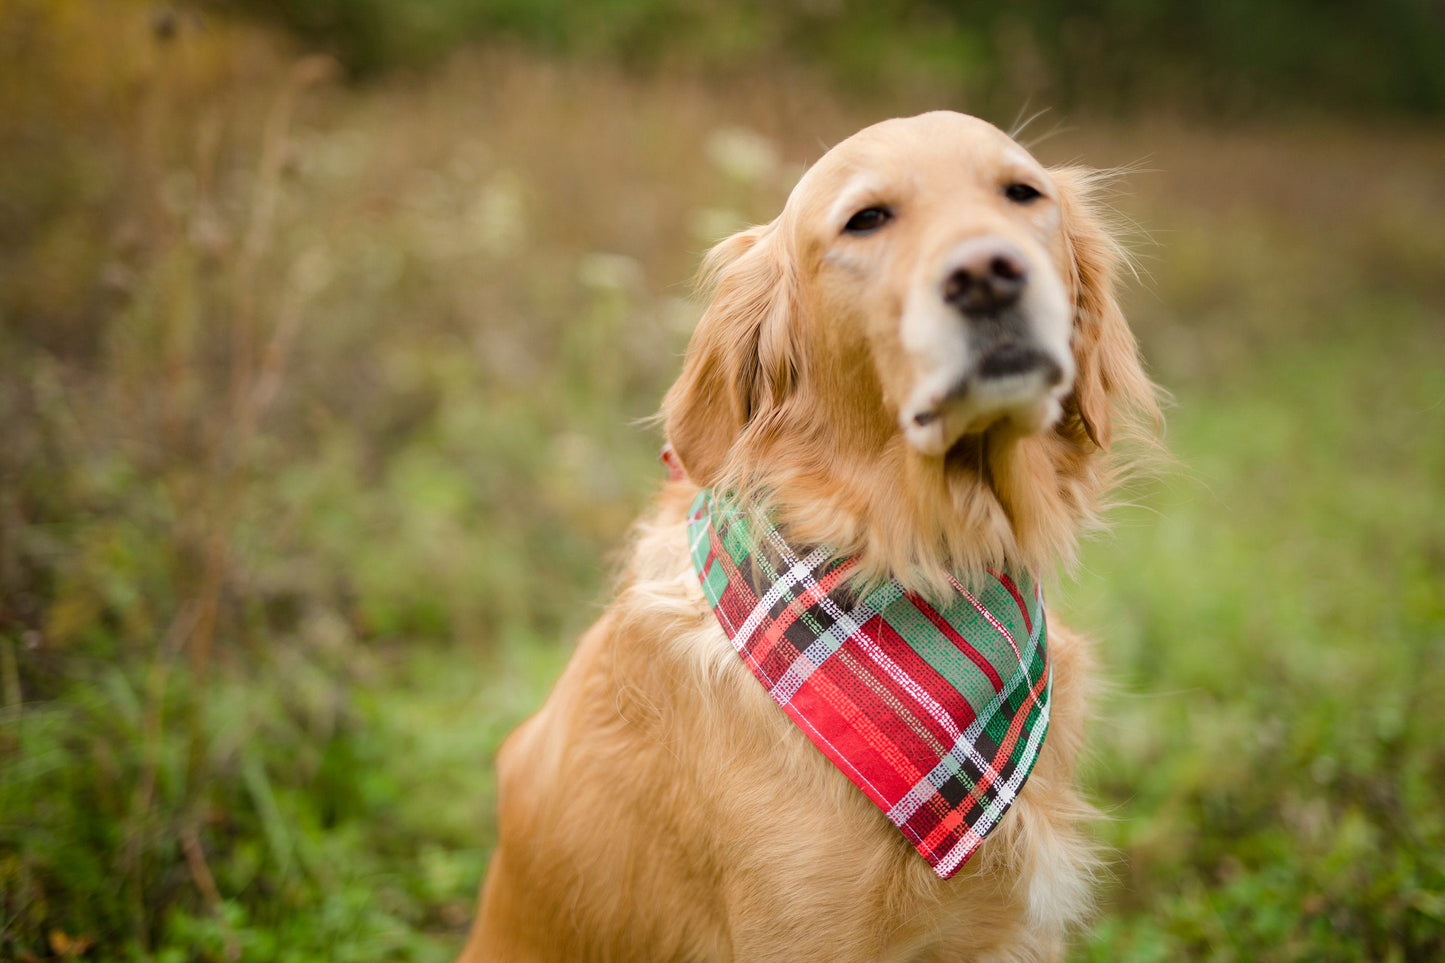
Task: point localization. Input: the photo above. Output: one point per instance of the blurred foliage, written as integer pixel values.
(319, 411)
(1279, 627)
(1230, 57)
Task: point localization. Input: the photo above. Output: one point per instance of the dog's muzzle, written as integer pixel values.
(990, 343)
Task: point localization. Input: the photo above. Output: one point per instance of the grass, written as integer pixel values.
(1270, 751)
(319, 410)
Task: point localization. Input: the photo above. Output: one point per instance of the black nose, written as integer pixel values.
(988, 278)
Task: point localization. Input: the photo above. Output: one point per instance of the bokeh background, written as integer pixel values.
(327, 328)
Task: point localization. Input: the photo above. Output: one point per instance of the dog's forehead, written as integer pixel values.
(908, 148)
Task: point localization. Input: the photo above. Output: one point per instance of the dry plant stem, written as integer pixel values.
(216, 502)
(228, 445)
(152, 728)
(253, 246)
(151, 169)
(151, 141)
(9, 678)
(307, 72)
(206, 883)
(273, 358)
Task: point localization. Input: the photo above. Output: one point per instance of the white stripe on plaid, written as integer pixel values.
(973, 836)
(983, 610)
(850, 625)
(825, 645)
(845, 625)
(950, 764)
(801, 573)
(701, 534)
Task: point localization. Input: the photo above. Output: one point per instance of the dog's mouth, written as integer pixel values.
(1012, 383)
(1013, 360)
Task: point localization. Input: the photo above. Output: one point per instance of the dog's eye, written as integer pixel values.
(1022, 193)
(868, 220)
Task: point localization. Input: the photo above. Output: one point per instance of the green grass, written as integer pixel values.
(319, 413)
(1275, 630)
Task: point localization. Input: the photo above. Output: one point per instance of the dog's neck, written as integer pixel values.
(997, 499)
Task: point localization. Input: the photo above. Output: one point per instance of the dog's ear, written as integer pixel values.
(739, 363)
(1110, 376)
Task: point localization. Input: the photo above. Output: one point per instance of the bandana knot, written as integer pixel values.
(936, 712)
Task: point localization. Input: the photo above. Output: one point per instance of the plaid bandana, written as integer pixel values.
(937, 714)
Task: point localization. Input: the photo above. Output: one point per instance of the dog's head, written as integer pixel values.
(928, 282)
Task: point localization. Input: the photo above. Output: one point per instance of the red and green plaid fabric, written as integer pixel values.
(937, 714)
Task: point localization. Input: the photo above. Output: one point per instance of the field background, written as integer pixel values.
(326, 328)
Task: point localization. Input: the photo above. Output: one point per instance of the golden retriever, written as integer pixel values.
(921, 361)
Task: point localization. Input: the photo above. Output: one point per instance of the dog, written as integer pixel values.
(922, 365)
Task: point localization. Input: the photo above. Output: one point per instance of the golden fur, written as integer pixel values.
(637, 806)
